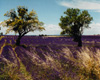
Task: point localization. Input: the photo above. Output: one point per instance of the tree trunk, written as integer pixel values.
(75, 38)
(79, 41)
(18, 40)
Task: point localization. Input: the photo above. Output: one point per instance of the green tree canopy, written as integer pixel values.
(22, 22)
(74, 23)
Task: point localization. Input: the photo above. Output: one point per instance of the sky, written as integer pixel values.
(50, 11)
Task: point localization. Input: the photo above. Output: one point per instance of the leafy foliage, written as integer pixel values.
(74, 22)
(22, 22)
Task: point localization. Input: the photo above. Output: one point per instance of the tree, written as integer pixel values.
(22, 22)
(74, 23)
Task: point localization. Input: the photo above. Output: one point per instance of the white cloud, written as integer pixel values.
(95, 29)
(3, 29)
(55, 29)
(81, 4)
(50, 29)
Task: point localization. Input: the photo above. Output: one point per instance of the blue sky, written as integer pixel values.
(50, 11)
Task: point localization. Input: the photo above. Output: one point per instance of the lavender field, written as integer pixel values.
(49, 58)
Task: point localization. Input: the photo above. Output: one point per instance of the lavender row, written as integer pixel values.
(37, 40)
